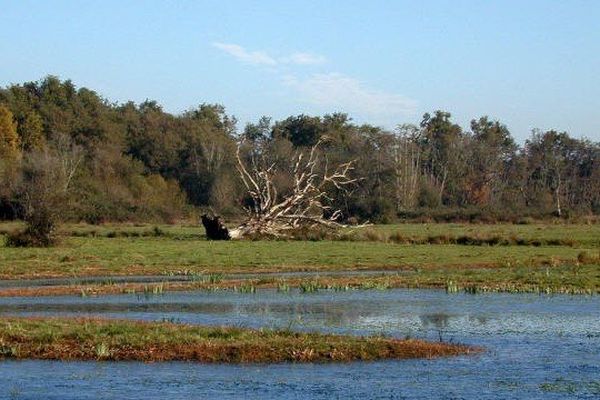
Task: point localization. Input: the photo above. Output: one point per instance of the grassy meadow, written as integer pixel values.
(493, 257)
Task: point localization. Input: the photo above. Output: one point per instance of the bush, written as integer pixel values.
(525, 221)
(42, 196)
(373, 235)
(31, 238)
(313, 234)
(429, 197)
(376, 210)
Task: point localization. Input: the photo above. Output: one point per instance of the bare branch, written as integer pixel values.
(307, 204)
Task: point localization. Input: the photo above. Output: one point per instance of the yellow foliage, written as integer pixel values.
(9, 140)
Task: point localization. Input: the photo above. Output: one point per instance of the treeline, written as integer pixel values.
(127, 162)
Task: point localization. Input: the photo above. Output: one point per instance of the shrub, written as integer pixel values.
(313, 234)
(30, 238)
(373, 235)
(397, 237)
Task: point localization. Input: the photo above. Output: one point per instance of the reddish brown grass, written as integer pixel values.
(97, 339)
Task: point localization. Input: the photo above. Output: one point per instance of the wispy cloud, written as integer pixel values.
(328, 92)
(338, 92)
(263, 58)
(245, 56)
(301, 58)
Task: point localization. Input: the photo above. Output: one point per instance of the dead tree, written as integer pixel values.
(306, 206)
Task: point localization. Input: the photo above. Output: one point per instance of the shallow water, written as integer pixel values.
(537, 346)
(115, 279)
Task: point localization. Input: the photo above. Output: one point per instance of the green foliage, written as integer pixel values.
(31, 131)
(301, 130)
(142, 163)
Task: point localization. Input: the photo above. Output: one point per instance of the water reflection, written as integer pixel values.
(537, 347)
(439, 320)
(395, 312)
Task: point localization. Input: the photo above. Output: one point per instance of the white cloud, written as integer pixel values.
(263, 58)
(301, 58)
(338, 92)
(243, 55)
(329, 92)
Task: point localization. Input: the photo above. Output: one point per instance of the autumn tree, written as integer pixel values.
(490, 149)
(9, 160)
(9, 139)
(31, 132)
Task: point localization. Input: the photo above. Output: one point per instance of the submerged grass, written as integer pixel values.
(512, 277)
(96, 339)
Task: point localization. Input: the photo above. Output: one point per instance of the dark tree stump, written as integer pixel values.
(215, 230)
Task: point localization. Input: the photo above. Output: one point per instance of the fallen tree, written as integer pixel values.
(307, 206)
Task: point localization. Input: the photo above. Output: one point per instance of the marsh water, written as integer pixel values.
(157, 279)
(537, 346)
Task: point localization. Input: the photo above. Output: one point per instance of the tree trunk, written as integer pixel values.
(215, 230)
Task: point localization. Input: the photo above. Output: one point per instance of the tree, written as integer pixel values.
(407, 168)
(9, 139)
(43, 192)
(491, 148)
(259, 131)
(10, 156)
(206, 162)
(442, 159)
(31, 131)
(549, 154)
(301, 130)
(275, 214)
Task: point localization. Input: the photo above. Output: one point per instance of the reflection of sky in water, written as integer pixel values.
(537, 346)
(394, 312)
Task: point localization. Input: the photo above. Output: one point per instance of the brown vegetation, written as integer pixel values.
(96, 339)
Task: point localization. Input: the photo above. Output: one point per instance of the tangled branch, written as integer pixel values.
(305, 206)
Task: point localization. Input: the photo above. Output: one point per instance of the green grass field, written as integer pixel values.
(169, 250)
(149, 256)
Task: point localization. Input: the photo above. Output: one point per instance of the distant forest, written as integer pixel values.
(136, 162)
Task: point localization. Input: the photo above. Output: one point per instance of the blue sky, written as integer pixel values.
(530, 64)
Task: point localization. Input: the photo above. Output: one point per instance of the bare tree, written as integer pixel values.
(69, 157)
(407, 169)
(306, 205)
(43, 189)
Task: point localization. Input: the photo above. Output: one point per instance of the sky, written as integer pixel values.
(529, 64)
